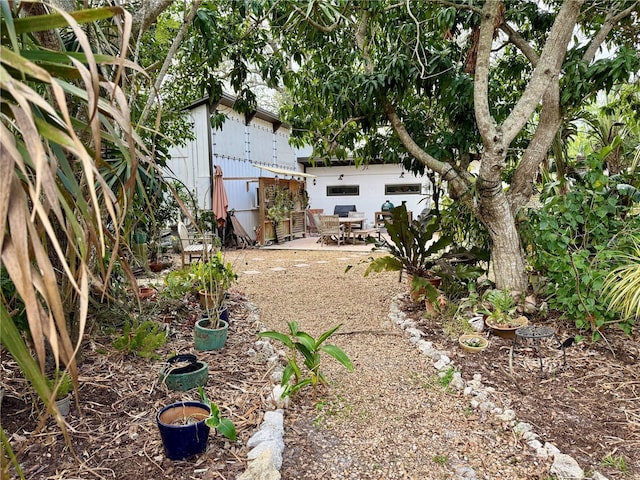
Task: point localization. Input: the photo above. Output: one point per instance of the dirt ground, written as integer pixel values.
(389, 419)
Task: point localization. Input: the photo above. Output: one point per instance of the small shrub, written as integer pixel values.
(301, 342)
(571, 239)
(142, 339)
(179, 283)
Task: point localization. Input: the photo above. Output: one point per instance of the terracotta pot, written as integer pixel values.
(146, 292)
(507, 330)
(419, 293)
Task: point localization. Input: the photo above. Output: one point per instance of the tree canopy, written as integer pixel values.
(437, 84)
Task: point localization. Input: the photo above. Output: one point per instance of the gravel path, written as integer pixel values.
(392, 418)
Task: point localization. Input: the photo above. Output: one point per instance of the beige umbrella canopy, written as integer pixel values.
(220, 200)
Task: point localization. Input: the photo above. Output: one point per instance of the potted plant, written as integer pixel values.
(61, 386)
(501, 313)
(473, 342)
(413, 249)
(213, 279)
(185, 426)
(278, 211)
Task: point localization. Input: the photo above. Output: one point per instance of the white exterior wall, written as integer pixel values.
(372, 180)
(189, 163)
(236, 148)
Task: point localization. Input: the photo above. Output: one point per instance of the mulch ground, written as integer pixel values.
(589, 406)
(114, 433)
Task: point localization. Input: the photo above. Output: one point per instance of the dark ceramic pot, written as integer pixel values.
(183, 429)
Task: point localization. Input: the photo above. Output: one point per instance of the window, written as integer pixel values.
(342, 190)
(403, 189)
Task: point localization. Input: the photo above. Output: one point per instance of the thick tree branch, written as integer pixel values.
(458, 185)
(546, 70)
(484, 120)
(151, 10)
(610, 21)
(522, 45)
(170, 54)
(522, 183)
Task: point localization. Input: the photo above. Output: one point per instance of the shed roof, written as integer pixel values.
(228, 100)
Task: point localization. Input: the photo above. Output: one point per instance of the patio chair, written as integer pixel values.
(329, 229)
(193, 245)
(356, 228)
(312, 224)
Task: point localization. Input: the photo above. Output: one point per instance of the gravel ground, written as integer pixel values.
(391, 418)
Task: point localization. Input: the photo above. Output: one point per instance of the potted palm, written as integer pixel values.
(415, 248)
(499, 309)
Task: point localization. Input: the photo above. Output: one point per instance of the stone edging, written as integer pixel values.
(563, 466)
(267, 444)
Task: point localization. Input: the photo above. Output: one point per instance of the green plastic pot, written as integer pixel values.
(206, 338)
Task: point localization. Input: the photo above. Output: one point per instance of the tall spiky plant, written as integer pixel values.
(59, 110)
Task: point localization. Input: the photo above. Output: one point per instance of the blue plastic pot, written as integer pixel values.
(183, 430)
(224, 314)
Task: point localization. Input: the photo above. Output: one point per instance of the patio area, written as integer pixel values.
(313, 243)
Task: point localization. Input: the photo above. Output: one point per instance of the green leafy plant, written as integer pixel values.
(622, 284)
(301, 342)
(572, 239)
(214, 278)
(143, 339)
(413, 247)
(280, 205)
(499, 306)
(179, 283)
(61, 384)
(222, 425)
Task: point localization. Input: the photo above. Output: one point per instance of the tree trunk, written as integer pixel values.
(507, 255)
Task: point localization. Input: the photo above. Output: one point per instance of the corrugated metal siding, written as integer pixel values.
(235, 147)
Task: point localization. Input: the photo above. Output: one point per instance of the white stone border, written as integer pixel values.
(564, 467)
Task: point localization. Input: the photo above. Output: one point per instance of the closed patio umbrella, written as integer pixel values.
(220, 200)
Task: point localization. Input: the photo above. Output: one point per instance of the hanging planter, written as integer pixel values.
(183, 429)
(210, 337)
(184, 372)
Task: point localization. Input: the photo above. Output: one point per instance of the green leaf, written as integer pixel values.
(339, 355)
(227, 429)
(277, 336)
(327, 334)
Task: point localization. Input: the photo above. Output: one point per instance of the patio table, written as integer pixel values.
(348, 223)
